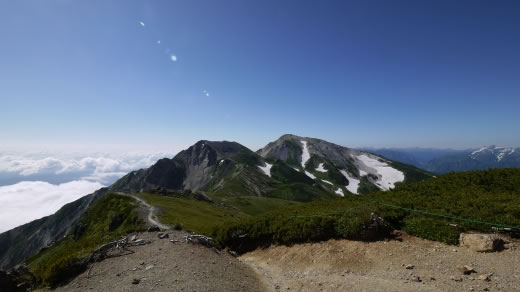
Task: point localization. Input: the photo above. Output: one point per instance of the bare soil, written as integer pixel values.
(343, 265)
(166, 266)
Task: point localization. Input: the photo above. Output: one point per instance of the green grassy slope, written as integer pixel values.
(490, 196)
(106, 220)
(193, 215)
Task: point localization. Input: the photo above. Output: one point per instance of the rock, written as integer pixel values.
(133, 237)
(149, 267)
(154, 228)
(135, 281)
(409, 267)
(456, 278)
(162, 235)
(466, 270)
(416, 279)
(484, 278)
(481, 242)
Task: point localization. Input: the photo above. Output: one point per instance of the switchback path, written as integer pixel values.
(152, 211)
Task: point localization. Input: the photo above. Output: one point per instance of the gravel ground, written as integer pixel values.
(166, 266)
(343, 265)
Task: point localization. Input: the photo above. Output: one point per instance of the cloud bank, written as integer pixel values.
(26, 201)
(60, 168)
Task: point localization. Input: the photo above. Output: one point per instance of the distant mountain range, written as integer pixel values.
(447, 160)
(291, 168)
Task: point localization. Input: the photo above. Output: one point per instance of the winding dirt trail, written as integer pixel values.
(152, 211)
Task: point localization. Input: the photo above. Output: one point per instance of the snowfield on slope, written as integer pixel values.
(321, 168)
(305, 157)
(389, 176)
(339, 191)
(305, 154)
(353, 183)
(266, 169)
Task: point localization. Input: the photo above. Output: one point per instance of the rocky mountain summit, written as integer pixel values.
(347, 169)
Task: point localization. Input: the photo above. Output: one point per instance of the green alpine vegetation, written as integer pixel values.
(106, 220)
(491, 196)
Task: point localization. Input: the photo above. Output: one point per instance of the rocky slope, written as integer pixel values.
(342, 169)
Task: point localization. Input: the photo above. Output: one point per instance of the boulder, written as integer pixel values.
(481, 242)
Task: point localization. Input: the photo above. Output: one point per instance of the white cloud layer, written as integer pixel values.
(29, 200)
(59, 168)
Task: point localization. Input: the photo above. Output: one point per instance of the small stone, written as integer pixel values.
(409, 267)
(456, 278)
(135, 281)
(432, 279)
(142, 263)
(466, 270)
(162, 235)
(416, 279)
(484, 278)
(134, 269)
(149, 267)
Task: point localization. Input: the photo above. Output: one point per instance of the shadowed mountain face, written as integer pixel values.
(23, 241)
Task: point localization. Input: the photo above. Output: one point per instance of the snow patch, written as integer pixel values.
(479, 150)
(353, 183)
(362, 173)
(305, 154)
(266, 169)
(339, 191)
(298, 170)
(389, 176)
(326, 181)
(310, 175)
(220, 162)
(321, 168)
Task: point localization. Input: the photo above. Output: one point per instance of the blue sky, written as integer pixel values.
(358, 73)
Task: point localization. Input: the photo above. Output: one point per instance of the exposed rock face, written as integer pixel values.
(480, 242)
(23, 241)
(191, 169)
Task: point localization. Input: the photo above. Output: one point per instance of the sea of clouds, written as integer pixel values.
(34, 185)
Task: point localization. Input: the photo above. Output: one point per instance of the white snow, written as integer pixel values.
(353, 183)
(296, 169)
(310, 175)
(389, 176)
(339, 191)
(501, 155)
(362, 173)
(479, 150)
(220, 162)
(326, 181)
(266, 169)
(321, 168)
(305, 154)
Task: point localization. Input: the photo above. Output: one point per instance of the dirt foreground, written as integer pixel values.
(166, 266)
(411, 264)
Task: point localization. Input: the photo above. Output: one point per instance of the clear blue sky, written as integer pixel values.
(358, 73)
